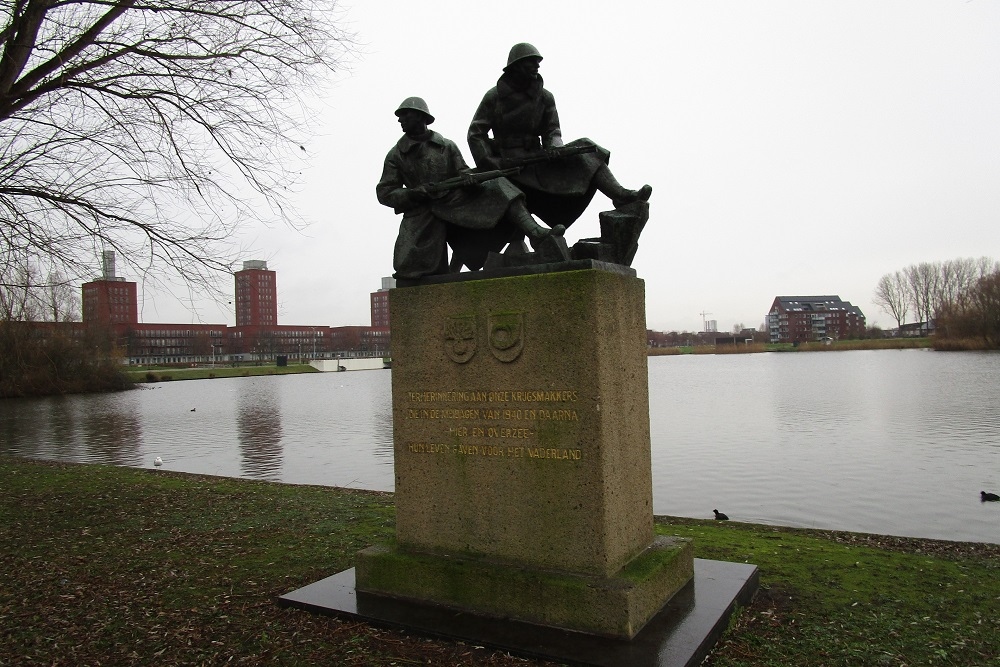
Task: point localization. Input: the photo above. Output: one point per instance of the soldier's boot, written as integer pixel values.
(524, 221)
(619, 195)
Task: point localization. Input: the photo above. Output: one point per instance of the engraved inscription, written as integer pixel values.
(564, 396)
(497, 423)
(564, 454)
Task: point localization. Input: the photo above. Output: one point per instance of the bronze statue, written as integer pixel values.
(558, 181)
(444, 203)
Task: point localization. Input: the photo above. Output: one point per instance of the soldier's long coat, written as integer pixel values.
(523, 123)
(420, 248)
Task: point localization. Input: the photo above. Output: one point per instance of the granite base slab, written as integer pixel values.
(680, 635)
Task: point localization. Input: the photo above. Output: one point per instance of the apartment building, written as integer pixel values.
(800, 319)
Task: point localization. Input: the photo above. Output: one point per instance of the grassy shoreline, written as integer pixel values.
(812, 346)
(151, 374)
(167, 374)
(110, 565)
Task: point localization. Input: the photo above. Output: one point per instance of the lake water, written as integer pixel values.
(894, 442)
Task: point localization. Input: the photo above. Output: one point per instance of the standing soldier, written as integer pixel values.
(558, 181)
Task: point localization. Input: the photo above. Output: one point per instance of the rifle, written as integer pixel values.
(470, 178)
(550, 154)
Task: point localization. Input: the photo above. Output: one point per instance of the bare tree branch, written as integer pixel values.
(152, 127)
(891, 296)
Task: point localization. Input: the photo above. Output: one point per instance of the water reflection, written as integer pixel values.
(18, 416)
(59, 415)
(111, 429)
(258, 426)
(382, 426)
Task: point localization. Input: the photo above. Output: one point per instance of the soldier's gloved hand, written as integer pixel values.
(418, 195)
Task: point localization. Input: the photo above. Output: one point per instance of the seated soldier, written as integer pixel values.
(522, 116)
(475, 218)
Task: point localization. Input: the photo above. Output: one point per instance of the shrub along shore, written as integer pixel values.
(122, 566)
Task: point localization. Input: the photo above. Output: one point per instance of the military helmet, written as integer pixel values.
(522, 51)
(417, 104)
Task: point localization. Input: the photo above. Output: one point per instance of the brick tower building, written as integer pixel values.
(256, 295)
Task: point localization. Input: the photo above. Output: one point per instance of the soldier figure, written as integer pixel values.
(474, 217)
(522, 115)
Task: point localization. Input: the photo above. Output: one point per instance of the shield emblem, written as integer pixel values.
(460, 338)
(506, 335)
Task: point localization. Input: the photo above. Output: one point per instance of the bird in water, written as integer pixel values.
(157, 462)
(719, 516)
(988, 497)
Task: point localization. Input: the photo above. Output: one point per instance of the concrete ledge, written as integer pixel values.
(348, 364)
(617, 606)
(679, 635)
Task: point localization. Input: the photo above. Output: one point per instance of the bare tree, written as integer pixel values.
(976, 315)
(921, 283)
(946, 290)
(152, 127)
(61, 299)
(956, 277)
(892, 296)
(942, 285)
(985, 298)
(19, 296)
(985, 266)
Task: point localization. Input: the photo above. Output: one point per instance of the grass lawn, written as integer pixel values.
(120, 566)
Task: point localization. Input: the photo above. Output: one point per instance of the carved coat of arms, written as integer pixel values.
(460, 338)
(506, 335)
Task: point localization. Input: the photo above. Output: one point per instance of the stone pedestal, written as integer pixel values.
(522, 454)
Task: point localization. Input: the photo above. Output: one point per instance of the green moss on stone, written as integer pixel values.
(652, 561)
(616, 606)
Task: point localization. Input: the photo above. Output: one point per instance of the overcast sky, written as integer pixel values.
(794, 148)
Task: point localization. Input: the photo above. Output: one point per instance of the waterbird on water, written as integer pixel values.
(157, 462)
(988, 497)
(719, 516)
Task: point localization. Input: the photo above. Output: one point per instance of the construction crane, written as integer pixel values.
(704, 321)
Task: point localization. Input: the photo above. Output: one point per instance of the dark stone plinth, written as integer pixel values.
(680, 635)
(508, 271)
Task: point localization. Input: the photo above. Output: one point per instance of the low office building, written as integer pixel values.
(110, 304)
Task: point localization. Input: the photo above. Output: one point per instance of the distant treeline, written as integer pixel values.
(958, 299)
